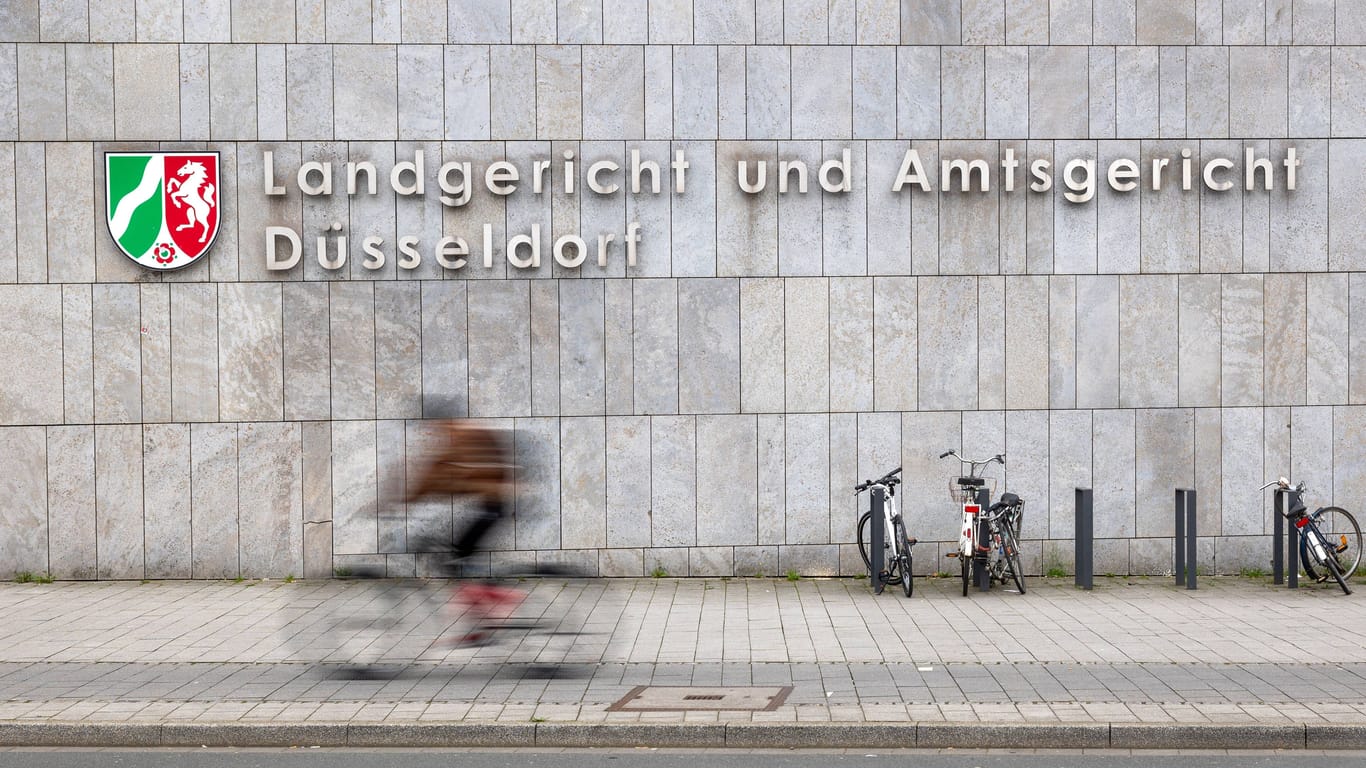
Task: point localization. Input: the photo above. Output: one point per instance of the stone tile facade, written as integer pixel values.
(707, 411)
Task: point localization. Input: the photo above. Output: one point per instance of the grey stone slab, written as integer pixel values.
(30, 230)
(659, 96)
(307, 383)
(583, 483)
(308, 112)
(918, 92)
(1299, 221)
(42, 92)
(19, 21)
(70, 505)
(1207, 92)
(1070, 22)
(445, 362)
(1027, 469)
(1311, 454)
(469, 94)
(250, 331)
(800, 230)
(1346, 230)
(602, 217)
(271, 21)
(991, 345)
(1221, 217)
(1118, 216)
(673, 487)
(1148, 311)
(947, 327)
(1208, 735)
(398, 350)
(232, 91)
(628, 482)
(762, 361)
(1241, 470)
(111, 22)
(756, 561)
(1258, 85)
(1349, 73)
(365, 92)
(771, 458)
(1070, 466)
(708, 346)
(1311, 103)
(117, 356)
(1075, 225)
(807, 344)
(9, 257)
(656, 351)
(1098, 341)
(1199, 318)
(671, 21)
(851, 344)
(727, 474)
(1172, 86)
(546, 373)
(717, 21)
(1284, 342)
(210, 22)
(845, 458)
(963, 104)
(213, 499)
(807, 499)
(1103, 94)
(1062, 342)
(1170, 234)
(33, 353)
(888, 212)
(351, 349)
(874, 95)
(194, 341)
(166, 500)
(809, 559)
(613, 92)
(925, 218)
(533, 21)
(693, 214)
(310, 217)
(1136, 92)
(1242, 347)
(118, 503)
(1026, 22)
(620, 363)
(937, 22)
(1244, 22)
(559, 92)
(1257, 220)
(1165, 458)
(625, 22)
(315, 439)
(629, 563)
(155, 331)
(822, 92)
(90, 92)
(1007, 92)
(355, 491)
(143, 74)
(1166, 23)
(348, 21)
(806, 22)
(1039, 218)
(969, 236)
(767, 109)
(1349, 479)
(24, 536)
(78, 372)
(695, 92)
(421, 72)
(711, 561)
(271, 505)
(1326, 338)
(1209, 484)
(924, 436)
(1057, 93)
(70, 227)
(1014, 225)
(499, 349)
(480, 21)
(1027, 347)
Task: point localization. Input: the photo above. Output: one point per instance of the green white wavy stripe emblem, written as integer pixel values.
(136, 218)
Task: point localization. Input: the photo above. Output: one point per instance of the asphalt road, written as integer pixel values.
(431, 758)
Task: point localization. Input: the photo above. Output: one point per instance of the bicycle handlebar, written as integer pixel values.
(887, 479)
(999, 458)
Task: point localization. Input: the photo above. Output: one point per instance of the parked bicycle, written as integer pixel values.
(897, 545)
(1000, 553)
(1330, 539)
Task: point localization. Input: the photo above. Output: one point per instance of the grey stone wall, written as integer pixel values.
(709, 411)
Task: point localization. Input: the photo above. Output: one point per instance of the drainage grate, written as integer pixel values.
(664, 698)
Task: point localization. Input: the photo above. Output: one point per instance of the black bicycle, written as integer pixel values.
(896, 544)
(1330, 539)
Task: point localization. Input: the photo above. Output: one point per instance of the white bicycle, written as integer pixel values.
(1000, 553)
(896, 559)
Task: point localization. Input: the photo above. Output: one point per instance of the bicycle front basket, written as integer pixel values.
(965, 496)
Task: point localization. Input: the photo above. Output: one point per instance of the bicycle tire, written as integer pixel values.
(1012, 556)
(966, 564)
(903, 559)
(862, 533)
(1336, 522)
(1336, 571)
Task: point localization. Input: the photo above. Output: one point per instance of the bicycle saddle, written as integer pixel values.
(973, 482)
(1009, 498)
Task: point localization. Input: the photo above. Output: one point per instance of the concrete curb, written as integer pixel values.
(931, 735)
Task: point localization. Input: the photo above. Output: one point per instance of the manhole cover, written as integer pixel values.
(664, 698)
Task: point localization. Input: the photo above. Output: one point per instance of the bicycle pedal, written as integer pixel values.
(952, 554)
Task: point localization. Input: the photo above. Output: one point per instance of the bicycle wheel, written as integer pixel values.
(966, 563)
(1012, 556)
(1343, 536)
(904, 558)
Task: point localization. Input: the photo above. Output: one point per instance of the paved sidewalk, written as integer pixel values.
(96, 660)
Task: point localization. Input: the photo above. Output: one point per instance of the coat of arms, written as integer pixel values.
(162, 206)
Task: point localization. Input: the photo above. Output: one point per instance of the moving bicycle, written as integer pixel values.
(997, 527)
(896, 544)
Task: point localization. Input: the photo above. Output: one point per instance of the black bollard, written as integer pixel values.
(1085, 539)
(877, 541)
(1179, 546)
(1292, 545)
(1191, 539)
